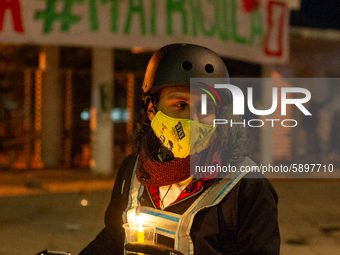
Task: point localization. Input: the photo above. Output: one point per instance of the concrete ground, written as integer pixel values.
(43, 209)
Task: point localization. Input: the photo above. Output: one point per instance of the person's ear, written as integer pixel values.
(151, 111)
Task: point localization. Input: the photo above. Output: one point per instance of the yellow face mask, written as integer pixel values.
(183, 137)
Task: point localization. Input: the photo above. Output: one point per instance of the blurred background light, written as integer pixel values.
(118, 115)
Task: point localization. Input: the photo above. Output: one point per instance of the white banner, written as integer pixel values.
(248, 30)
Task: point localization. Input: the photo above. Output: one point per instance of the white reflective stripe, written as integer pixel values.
(178, 226)
(208, 199)
(183, 240)
(227, 188)
(212, 196)
(167, 222)
(136, 190)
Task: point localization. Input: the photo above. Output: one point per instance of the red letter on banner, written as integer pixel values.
(14, 6)
(271, 28)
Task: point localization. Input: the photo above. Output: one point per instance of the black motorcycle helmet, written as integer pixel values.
(175, 64)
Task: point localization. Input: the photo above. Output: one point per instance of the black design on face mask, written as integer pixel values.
(180, 131)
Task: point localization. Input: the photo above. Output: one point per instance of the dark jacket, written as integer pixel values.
(244, 222)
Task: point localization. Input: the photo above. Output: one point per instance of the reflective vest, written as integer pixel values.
(178, 226)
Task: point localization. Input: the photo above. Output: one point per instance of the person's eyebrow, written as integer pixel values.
(178, 96)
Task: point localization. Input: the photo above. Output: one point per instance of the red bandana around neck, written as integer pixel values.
(152, 172)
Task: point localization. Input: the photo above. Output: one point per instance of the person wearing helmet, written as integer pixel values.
(195, 214)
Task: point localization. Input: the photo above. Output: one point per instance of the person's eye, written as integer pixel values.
(180, 105)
